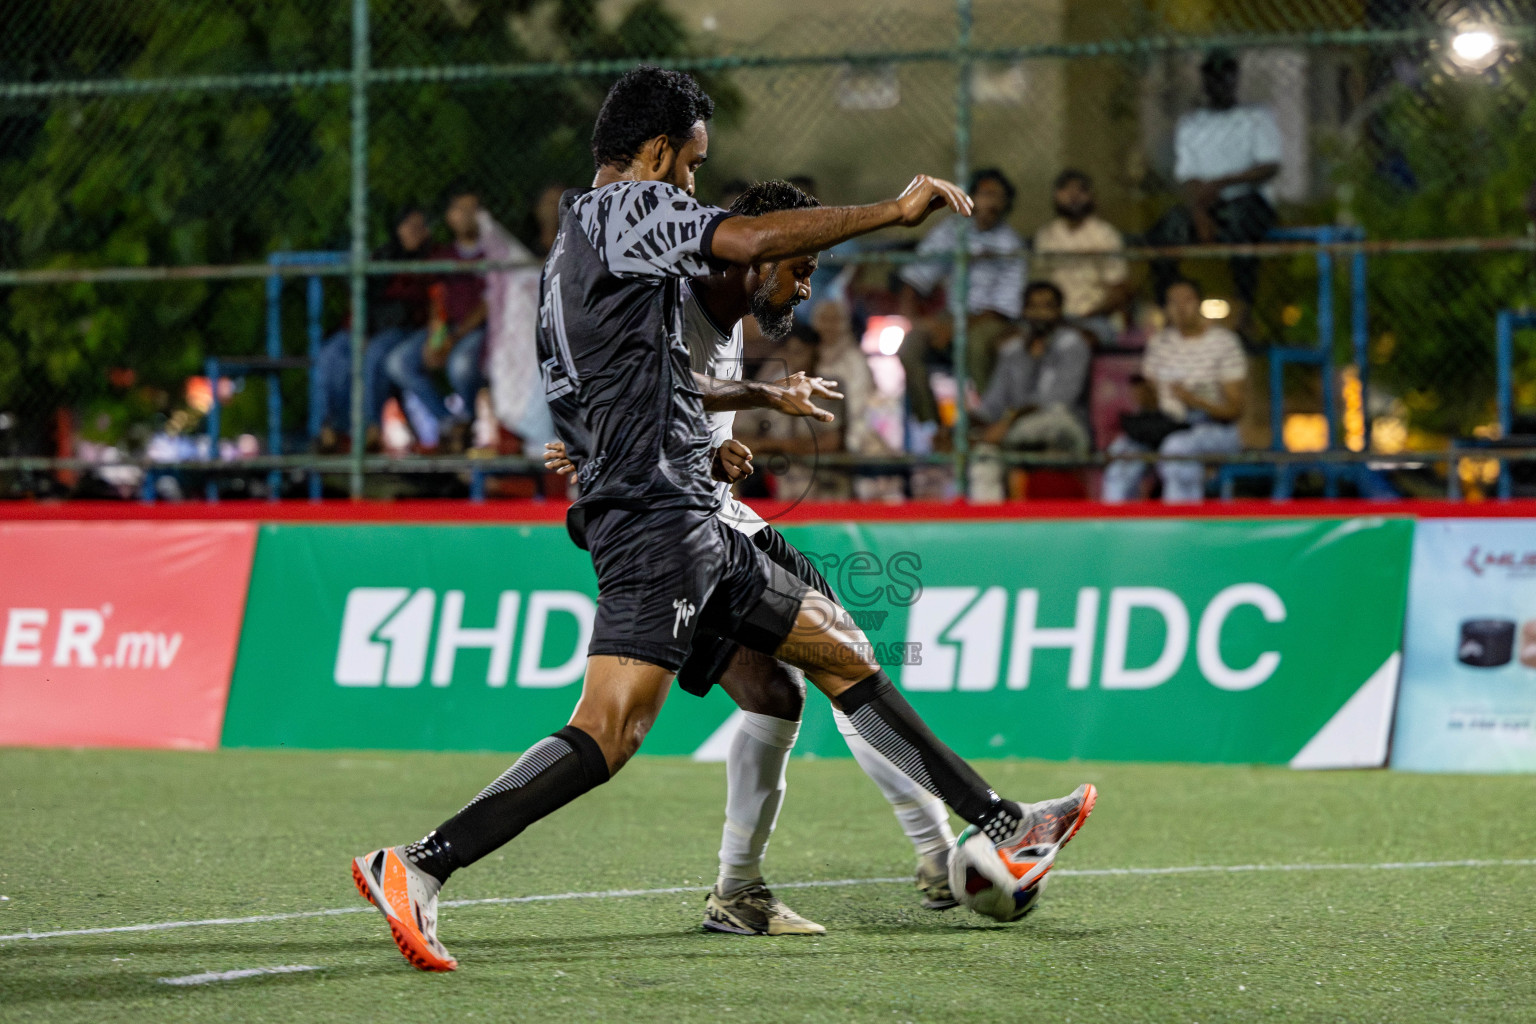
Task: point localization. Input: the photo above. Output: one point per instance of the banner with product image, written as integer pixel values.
(1468, 700)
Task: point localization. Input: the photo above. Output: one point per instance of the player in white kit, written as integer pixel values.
(770, 693)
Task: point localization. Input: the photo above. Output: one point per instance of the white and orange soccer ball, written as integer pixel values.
(1002, 885)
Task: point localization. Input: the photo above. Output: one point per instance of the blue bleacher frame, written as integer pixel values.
(1319, 355)
(1506, 324)
(274, 363)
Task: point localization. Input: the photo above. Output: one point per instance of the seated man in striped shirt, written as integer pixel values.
(1199, 375)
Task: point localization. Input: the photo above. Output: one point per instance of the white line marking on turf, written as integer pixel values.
(161, 926)
(1228, 869)
(249, 972)
(1194, 869)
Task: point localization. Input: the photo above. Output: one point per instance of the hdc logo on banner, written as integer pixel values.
(961, 632)
(425, 637)
(119, 634)
(386, 633)
(1272, 641)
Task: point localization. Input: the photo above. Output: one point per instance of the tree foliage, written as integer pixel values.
(1448, 156)
(228, 176)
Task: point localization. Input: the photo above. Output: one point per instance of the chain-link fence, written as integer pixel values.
(157, 154)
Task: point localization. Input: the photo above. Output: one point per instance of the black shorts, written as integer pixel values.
(711, 654)
(667, 576)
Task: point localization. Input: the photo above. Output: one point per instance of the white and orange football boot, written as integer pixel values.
(408, 899)
(1047, 826)
(1056, 821)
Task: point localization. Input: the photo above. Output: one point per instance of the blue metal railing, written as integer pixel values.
(275, 363)
(1505, 325)
(1319, 355)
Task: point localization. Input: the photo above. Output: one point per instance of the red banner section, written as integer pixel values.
(119, 634)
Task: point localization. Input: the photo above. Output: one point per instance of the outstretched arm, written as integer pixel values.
(787, 233)
(791, 396)
(730, 462)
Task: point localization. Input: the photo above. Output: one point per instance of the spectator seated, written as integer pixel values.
(1193, 392)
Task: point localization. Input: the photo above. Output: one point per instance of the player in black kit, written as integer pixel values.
(616, 372)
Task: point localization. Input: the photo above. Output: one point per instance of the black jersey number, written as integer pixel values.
(560, 375)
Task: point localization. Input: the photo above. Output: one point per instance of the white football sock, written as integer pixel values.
(754, 781)
(923, 816)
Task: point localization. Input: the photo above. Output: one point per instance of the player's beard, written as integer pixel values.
(774, 321)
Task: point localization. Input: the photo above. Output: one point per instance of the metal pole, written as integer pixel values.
(274, 383)
(315, 307)
(1504, 356)
(960, 297)
(211, 488)
(359, 254)
(1325, 332)
(1360, 331)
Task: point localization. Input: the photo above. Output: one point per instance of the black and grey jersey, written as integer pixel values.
(611, 346)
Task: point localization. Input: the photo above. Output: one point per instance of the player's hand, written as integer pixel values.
(555, 460)
(926, 195)
(732, 462)
(797, 390)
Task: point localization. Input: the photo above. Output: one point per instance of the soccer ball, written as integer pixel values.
(993, 883)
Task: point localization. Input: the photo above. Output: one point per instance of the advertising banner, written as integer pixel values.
(429, 637)
(1159, 640)
(1246, 641)
(119, 634)
(1468, 699)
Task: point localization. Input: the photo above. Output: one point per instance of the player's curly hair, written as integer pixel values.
(644, 103)
(771, 197)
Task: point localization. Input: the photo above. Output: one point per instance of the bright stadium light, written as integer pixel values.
(883, 335)
(1475, 47)
(1215, 309)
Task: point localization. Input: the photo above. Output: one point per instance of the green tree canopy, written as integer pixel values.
(228, 176)
(1448, 155)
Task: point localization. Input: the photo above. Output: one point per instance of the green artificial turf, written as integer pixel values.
(98, 839)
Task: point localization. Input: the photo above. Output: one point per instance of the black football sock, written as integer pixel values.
(884, 718)
(549, 775)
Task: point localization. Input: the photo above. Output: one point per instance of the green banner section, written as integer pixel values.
(1129, 640)
(430, 637)
(1165, 640)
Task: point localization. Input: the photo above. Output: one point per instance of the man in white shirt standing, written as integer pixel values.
(1199, 376)
(1094, 288)
(1224, 157)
